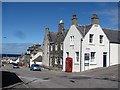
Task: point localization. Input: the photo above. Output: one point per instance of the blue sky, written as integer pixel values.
(24, 22)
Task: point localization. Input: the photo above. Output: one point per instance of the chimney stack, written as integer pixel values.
(47, 30)
(61, 26)
(95, 19)
(74, 20)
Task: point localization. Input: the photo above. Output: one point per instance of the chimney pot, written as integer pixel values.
(95, 19)
(74, 16)
(74, 20)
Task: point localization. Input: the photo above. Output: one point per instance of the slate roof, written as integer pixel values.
(84, 29)
(38, 59)
(113, 35)
(52, 36)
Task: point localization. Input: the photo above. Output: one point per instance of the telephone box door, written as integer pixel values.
(68, 64)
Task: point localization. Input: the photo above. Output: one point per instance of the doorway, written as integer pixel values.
(104, 59)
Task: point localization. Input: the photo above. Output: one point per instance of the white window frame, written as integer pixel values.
(101, 39)
(72, 40)
(77, 57)
(61, 61)
(91, 38)
(51, 47)
(55, 60)
(86, 59)
(67, 54)
(56, 47)
(92, 54)
(93, 59)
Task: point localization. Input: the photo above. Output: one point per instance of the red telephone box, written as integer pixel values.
(68, 64)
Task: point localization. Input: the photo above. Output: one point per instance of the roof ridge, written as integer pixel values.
(84, 25)
(110, 29)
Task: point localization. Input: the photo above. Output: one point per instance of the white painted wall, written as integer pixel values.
(34, 57)
(37, 55)
(95, 47)
(114, 54)
(17, 61)
(73, 31)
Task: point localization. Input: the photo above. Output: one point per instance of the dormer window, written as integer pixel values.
(91, 38)
(101, 39)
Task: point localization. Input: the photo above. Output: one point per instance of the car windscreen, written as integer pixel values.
(15, 64)
(36, 65)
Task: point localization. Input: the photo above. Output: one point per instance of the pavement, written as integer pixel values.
(95, 78)
(110, 73)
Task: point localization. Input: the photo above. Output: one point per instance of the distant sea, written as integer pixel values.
(10, 55)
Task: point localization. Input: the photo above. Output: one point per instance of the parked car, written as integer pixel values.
(15, 65)
(45, 68)
(35, 67)
(20, 64)
(3, 65)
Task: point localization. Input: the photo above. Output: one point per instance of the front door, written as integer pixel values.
(86, 61)
(104, 59)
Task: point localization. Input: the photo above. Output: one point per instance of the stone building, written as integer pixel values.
(53, 46)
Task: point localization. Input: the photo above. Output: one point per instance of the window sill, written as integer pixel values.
(71, 44)
(92, 44)
(102, 45)
(77, 63)
(93, 63)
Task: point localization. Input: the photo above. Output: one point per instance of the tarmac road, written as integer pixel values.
(59, 79)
